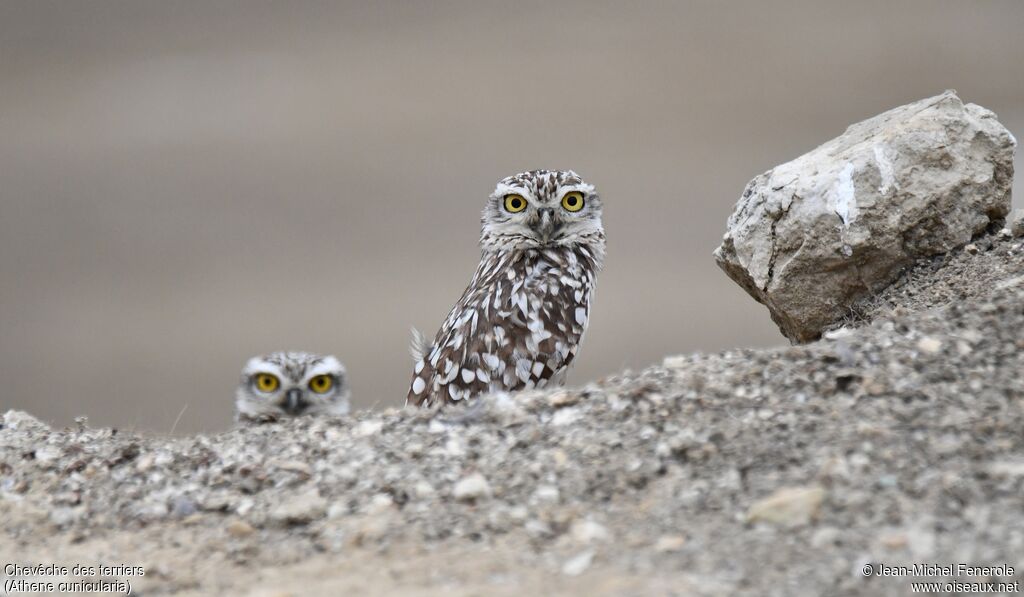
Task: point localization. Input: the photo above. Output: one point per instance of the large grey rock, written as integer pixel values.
(813, 236)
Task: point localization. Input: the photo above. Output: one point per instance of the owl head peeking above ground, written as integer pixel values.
(540, 209)
(290, 384)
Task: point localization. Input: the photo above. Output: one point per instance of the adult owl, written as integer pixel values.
(520, 322)
(289, 384)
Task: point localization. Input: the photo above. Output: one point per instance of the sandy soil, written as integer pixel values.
(769, 472)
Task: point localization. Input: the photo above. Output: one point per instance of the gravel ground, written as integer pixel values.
(768, 472)
(964, 275)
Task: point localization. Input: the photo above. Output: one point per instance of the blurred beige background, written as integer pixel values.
(185, 184)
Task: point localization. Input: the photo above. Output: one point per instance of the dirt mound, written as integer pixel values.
(782, 472)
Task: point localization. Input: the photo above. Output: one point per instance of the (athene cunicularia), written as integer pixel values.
(520, 322)
(288, 384)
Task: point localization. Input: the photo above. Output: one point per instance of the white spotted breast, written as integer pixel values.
(517, 326)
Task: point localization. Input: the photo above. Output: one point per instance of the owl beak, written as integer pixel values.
(546, 226)
(294, 403)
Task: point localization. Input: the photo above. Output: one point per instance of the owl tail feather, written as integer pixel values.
(419, 346)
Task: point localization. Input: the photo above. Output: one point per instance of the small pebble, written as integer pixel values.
(471, 488)
(669, 543)
(1016, 222)
(929, 345)
(239, 529)
(789, 506)
(368, 427)
(563, 398)
(578, 564)
(299, 509)
(588, 531)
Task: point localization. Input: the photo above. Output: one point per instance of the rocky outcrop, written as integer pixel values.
(812, 237)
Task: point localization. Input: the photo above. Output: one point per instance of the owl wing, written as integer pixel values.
(508, 339)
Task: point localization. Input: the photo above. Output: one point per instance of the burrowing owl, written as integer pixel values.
(519, 323)
(285, 384)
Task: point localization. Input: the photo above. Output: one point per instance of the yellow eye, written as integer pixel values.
(266, 382)
(321, 384)
(573, 201)
(514, 203)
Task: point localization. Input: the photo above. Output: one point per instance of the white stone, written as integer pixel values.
(789, 506)
(546, 494)
(379, 503)
(423, 490)
(368, 427)
(299, 509)
(1006, 468)
(578, 564)
(563, 398)
(588, 531)
(566, 416)
(929, 345)
(471, 488)
(47, 454)
(669, 543)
